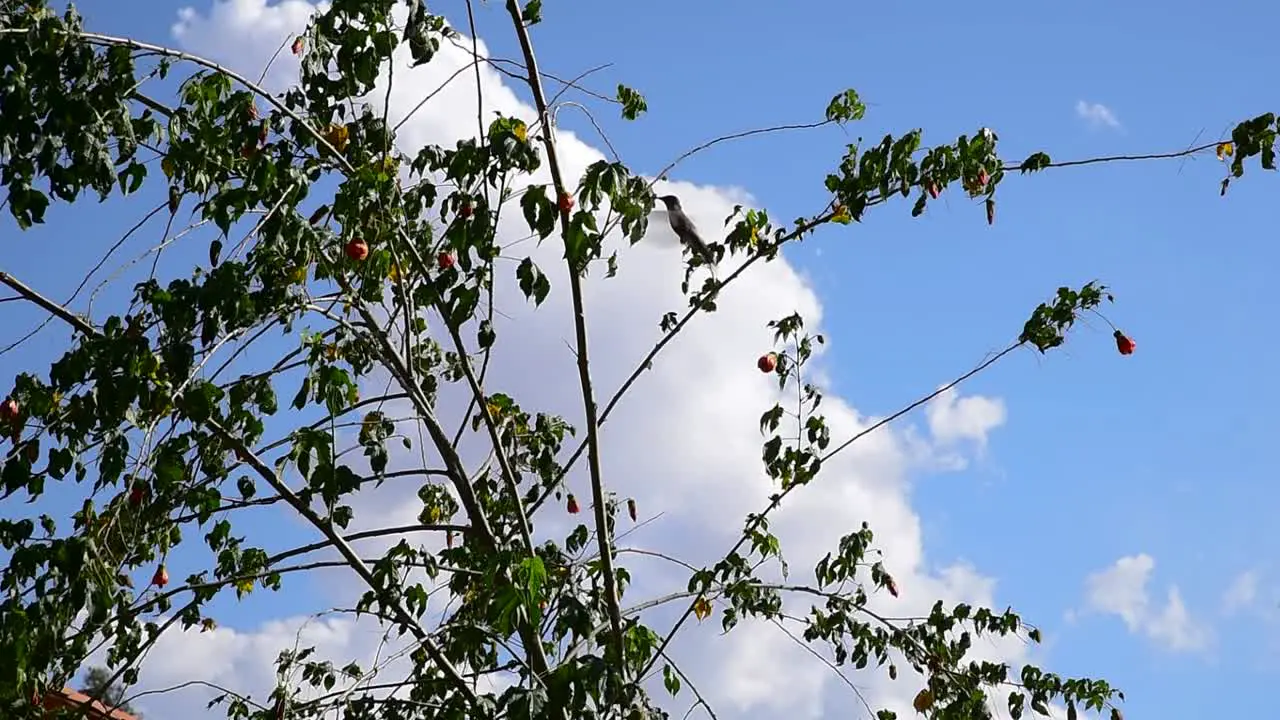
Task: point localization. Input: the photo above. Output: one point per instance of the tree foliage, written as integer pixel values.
(376, 262)
(99, 682)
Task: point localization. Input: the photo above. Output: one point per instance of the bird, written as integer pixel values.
(685, 230)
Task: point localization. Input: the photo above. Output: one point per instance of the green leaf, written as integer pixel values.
(670, 680)
(533, 283)
(539, 211)
(633, 103)
(1037, 161)
(845, 107)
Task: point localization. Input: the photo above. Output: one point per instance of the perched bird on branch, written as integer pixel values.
(685, 230)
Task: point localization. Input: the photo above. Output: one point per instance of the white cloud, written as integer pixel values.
(1122, 590)
(953, 418)
(1242, 593)
(1097, 115)
(685, 444)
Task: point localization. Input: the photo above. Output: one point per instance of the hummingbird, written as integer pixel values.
(685, 229)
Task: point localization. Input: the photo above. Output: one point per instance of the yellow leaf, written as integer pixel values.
(702, 608)
(244, 585)
(167, 166)
(299, 275)
(521, 132)
(393, 273)
(1225, 150)
(494, 410)
(923, 701)
(337, 135)
(841, 215)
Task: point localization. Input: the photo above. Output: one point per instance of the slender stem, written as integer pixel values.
(776, 500)
(357, 563)
(603, 533)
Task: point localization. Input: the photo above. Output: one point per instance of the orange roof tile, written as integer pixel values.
(68, 698)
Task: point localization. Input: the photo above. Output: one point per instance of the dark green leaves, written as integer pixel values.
(423, 32)
(1254, 137)
(539, 210)
(1049, 322)
(845, 107)
(533, 12)
(633, 103)
(533, 283)
(1034, 162)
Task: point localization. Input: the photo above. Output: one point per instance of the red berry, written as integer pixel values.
(1125, 344)
(357, 250)
(572, 505)
(9, 410)
(161, 578)
(631, 508)
(566, 202)
(768, 362)
(297, 45)
(445, 260)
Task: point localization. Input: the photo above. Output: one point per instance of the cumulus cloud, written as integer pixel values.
(685, 444)
(1097, 115)
(1241, 594)
(953, 418)
(1122, 590)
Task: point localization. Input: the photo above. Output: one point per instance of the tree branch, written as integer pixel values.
(349, 554)
(603, 533)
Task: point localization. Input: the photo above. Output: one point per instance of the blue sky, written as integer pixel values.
(1164, 452)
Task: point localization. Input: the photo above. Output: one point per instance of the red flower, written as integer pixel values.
(464, 211)
(982, 177)
(9, 411)
(566, 202)
(445, 260)
(297, 45)
(933, 189)
(572, 505)
(357, 250)
(161, 578)
(137, 494)
(1125, 344)
(768, 362)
